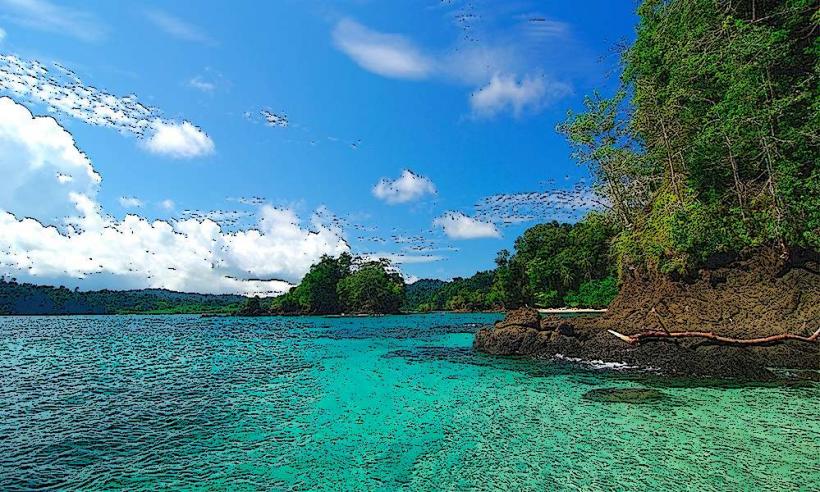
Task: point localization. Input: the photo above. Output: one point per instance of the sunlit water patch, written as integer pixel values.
(369, 403)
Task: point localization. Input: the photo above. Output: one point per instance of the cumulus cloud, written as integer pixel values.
(46, 16)
(456, 225)
(2, 34)
(505, 93)
(504, 69)
(186, 255)
(167, 204)
(40, 164)
(178, 28)
(179, 140)
(130, 202)
(389, 55)
(193, 254)
(407, 187)
(63, 92)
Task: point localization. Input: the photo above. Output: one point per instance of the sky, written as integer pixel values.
(224, 147)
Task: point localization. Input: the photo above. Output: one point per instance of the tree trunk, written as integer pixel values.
(659, 335)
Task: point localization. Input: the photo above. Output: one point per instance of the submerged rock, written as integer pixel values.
(624, 395)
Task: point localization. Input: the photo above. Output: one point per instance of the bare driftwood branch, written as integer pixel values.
(657, 335)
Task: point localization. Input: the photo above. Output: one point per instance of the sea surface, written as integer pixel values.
(381, 403)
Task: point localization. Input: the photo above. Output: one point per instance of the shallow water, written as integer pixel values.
(386, 403)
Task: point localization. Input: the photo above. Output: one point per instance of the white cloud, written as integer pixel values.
(202, 85)
(130, 202)
(167, 204)
(2, 34)
(407, 187)
(390, 55)
(185, 255)
(456, 225)
(179, 140)
(505, 68)
(40, 164)
(178, 28)
(505, 93)
(49, 17)
(188, 255)
(63, 92)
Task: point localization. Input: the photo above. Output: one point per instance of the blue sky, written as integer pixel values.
(465, 95)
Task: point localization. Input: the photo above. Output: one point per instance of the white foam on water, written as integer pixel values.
(599, 364)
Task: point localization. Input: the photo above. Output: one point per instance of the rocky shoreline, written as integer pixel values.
(525, 332)
(761, 293)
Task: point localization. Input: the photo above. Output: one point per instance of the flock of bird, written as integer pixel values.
(274, 119)
(506, 209)
(225, 218)
(63, 92)
(539, 206)
(281, 120)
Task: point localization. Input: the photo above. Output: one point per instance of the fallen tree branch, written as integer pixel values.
(657, 334)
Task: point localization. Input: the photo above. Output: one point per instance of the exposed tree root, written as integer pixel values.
(658, 335)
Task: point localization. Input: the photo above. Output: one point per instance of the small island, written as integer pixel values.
(707, 156)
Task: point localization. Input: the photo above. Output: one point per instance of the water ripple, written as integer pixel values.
(145, 403)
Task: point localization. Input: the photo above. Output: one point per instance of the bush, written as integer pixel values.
(594, 293)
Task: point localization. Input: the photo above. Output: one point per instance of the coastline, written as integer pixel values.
(586, 339)
(570, 310)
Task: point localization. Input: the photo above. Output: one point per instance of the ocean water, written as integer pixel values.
(386, 403)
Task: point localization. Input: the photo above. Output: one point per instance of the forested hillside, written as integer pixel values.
(710, 147)
(29, 299)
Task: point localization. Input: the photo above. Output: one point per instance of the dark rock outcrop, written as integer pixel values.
(756, 295)
(523, 317)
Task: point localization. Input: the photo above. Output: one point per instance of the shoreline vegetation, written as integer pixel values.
(707, 155)
(553, 266)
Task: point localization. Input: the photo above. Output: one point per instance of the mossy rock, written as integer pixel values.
(624, 395)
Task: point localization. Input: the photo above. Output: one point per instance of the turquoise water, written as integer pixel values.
(180, 402)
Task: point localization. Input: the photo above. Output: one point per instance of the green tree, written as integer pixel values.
(553, 259)
(371, 288)
(316, 293)
(725, 98)
(252, 307)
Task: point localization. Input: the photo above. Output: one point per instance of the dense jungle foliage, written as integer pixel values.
(711, 144)
(338, 285)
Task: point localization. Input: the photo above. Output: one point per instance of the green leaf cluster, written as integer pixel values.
(711, 144)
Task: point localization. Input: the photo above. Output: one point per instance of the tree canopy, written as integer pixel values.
(371, 288)
(344, 285)
(553, 265)
(711, 144)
